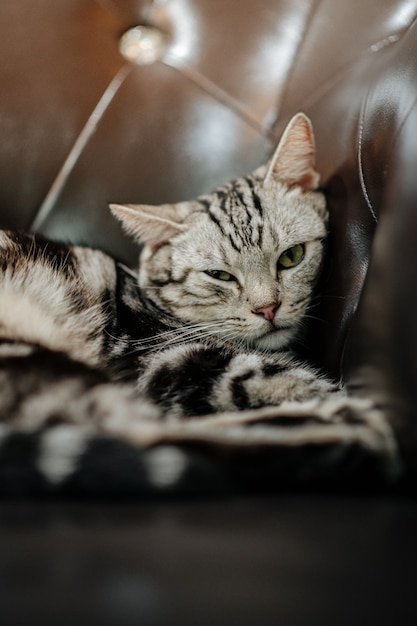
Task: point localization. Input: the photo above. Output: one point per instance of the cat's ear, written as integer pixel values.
(153, 225)
(293, 163)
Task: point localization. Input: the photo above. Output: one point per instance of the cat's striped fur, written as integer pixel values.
(107, 385)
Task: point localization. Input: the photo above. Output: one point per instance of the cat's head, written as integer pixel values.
(242, 261)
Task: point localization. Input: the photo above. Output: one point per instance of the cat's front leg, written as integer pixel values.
(196, 379)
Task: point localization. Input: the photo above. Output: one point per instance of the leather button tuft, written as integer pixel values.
(142, 44)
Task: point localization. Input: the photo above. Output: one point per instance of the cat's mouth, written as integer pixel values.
(276, 337)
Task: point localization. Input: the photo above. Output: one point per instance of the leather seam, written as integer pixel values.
(77, 149)
(309, 20)
(216, 92)
(374, 48)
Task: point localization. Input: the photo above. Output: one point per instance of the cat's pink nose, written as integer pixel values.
(268, 311)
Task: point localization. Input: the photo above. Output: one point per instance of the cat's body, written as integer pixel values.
(80, 302)
(225, 282)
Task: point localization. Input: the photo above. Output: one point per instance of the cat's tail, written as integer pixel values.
(107, 441)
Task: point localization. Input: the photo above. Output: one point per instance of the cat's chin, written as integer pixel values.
(275, 340)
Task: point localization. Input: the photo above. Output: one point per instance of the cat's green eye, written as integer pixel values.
(291, 257)
(220, 275)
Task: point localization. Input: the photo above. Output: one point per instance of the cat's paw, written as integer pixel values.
(256, 380)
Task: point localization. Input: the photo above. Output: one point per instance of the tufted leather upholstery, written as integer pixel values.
(81, 126)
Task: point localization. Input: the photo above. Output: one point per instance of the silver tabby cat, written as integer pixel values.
(92, 354)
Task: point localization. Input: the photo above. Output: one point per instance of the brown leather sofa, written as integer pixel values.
(213, 85)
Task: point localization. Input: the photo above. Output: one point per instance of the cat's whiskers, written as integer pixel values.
(217, 330)
(308, 316)
(172, 337)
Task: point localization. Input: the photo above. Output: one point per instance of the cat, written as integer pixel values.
(119, 381)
